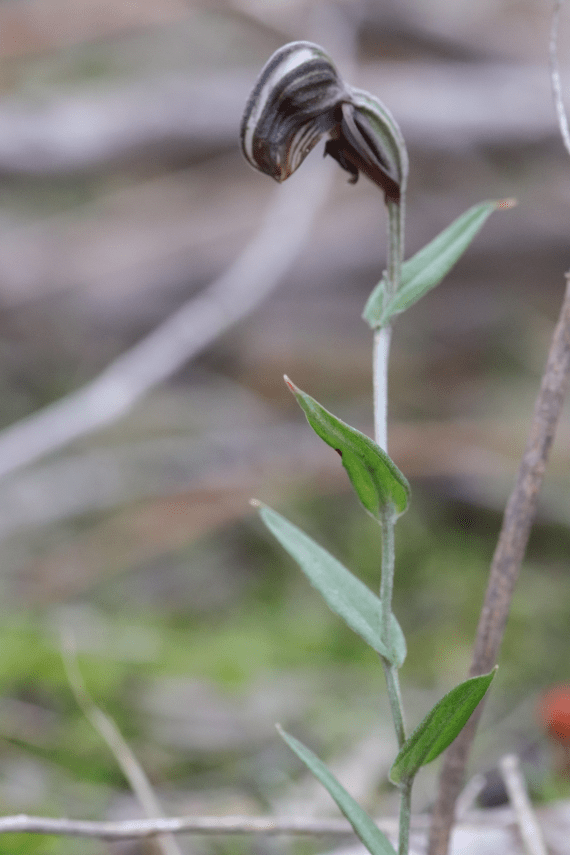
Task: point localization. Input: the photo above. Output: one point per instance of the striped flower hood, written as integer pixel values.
(298, 98)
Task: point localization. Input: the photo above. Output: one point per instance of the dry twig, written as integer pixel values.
(220, 825)
(519, 516)
(518, 797)
(144, 828)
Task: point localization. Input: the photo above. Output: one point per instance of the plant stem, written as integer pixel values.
(380, 370)
(396, 212)
(381, 352)
(382, 336)
(387, 522)
(380, 366)
(405, 815)
(386, 588)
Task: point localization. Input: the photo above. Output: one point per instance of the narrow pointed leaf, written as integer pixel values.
(364, 826)
(430, 265)
(440, 727)
(378, 482)
(343, 592)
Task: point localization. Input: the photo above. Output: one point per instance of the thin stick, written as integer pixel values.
(519, 515)
(518, 518)
(518, 797)
(132, 829)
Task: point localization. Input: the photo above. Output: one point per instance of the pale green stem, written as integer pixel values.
(387, 519)
(381, 350)
(386, 588)
(396, 214)
(405, 814)
(380, 368)
(381, 354)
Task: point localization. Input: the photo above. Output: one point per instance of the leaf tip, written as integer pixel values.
(255, 503)
(290, 385)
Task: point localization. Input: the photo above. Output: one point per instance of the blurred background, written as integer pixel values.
(124, 519)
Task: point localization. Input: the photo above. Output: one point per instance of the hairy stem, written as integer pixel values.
(396, 212)
(382, 336)
(386, 588)
(405, 815)
(381, 353)
(380, 368)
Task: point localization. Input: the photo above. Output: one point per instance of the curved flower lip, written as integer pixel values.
(353, 146)
(298, 98)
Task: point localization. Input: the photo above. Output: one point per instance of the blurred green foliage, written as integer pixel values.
(278, 624)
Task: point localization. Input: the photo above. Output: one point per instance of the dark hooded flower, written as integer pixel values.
(299, 98)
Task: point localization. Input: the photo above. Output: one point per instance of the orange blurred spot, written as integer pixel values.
(554, 713)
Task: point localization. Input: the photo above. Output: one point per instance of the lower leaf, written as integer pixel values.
(440, 727)
(343, 592)
(364, 826)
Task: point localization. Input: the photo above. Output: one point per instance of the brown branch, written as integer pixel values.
(517, 522)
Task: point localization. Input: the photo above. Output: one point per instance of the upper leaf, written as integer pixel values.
(378, 482)
(440, 727)
(430, 265)
(366, 829)
(343, 592)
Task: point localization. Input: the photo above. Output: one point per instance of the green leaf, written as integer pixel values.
(378, 482)
(440, 727)
(343, 592)
(366, 829)
(430, 265)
